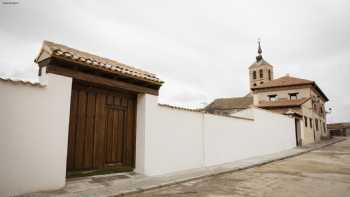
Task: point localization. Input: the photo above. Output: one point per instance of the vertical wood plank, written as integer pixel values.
(114, 136)
(130, 139)
(80, 134)
(109, 136)
(100, 127)
(120, 135)
(89, 135)
(72, 130)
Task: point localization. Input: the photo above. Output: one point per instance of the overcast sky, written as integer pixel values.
(200, 48)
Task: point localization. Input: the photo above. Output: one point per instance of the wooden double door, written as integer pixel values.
(101, 129)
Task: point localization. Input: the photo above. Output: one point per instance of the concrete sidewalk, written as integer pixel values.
(127, 183)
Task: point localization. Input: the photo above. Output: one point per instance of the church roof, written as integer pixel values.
(259, 62)
(230, 103)
(286, 81)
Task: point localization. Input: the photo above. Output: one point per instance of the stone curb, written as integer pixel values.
(235, 169)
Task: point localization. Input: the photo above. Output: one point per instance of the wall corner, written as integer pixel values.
(43, 76)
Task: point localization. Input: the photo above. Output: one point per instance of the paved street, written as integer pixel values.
(324, 172)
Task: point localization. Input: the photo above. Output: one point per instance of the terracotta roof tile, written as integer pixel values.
(230, 103)
(283, 103)
(284, 81)
(21, 82)
(51, 49)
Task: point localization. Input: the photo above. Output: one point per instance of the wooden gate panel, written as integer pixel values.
(115, 131)
(101, 130)
(90, 131)
(130, 133)
(118, 136)
(80, 132)
(100, 126)
(109, 135)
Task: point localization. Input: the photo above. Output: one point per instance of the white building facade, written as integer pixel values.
(292, 96)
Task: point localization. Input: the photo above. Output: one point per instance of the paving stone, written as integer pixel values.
(127, 183)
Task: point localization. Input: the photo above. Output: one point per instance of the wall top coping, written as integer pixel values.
(22, 82)
(201, 111)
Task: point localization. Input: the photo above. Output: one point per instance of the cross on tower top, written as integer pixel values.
(259, 57)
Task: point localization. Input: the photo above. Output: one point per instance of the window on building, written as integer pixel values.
(310, 122)
(254, 74)
(270, 75)
(272, 97)
(324, 127)
(305, 121)
(293, 96)
(261, 82)
(254, 84)
(261, 73)
(316, 124)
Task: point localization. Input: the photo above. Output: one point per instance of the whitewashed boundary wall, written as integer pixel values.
(34, 135)
(34, 124)
(170, 140)
(167, 140)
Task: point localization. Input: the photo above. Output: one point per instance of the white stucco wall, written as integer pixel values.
(227, 139)
(231, 139)
(34, 133)
(170, 140)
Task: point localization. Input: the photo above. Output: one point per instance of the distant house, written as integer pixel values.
(299, 97)
(339, 129)
(287, 95)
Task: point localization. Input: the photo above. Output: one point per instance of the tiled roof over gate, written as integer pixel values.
(51, 49)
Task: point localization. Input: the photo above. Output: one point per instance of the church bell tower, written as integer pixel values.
(260, 71)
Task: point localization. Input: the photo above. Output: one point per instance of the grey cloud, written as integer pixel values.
(202, 49)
